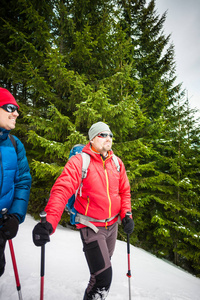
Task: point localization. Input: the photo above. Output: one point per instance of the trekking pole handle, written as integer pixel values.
(43, 215)
(128, 214)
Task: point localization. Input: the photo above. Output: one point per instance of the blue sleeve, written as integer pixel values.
(22, 185)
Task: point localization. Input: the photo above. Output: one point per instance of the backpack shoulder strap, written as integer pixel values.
(11, 137)
(114, 157)
(85, 165)
(86, 162)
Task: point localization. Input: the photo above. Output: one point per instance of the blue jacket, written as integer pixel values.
(15, 177)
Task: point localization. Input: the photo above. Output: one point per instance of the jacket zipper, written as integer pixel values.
(86, 211)
(107, 186)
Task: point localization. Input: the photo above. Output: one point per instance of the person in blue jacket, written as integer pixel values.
(15, 177)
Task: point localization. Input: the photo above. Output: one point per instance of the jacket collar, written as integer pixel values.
(88, 149)
(3, 133)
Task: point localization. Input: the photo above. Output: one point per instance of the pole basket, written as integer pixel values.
(128, 274)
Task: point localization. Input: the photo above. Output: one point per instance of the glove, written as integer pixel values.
(41, 233)
(10, 227)
(128, 224)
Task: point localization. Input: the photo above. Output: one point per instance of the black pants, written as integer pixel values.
(98, 248)
(2, 254)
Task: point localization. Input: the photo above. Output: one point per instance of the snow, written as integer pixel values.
(66, 271)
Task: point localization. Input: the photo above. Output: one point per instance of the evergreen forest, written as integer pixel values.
(70, 63)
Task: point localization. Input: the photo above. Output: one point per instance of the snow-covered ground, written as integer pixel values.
(66, 271)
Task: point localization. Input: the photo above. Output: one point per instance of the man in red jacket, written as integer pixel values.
(104, 196)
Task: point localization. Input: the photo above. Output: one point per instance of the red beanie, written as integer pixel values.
(6, 98)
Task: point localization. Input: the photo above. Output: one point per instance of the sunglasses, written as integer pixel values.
(10, 108)
(104, 135)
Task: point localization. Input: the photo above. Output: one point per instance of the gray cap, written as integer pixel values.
(96, 128)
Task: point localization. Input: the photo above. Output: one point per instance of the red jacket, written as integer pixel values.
(105, 191)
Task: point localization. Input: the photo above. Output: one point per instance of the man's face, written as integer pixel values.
(102, 144)
(8, 119)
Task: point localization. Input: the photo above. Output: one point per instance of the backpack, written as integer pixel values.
(75, 217)
(77, 149)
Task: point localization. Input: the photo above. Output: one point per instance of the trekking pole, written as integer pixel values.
(42, 268)
(129, 266)
(18, 285)
(15, 269)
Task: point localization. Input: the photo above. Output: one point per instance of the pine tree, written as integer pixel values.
(24, 37)
(172, 203)
(154, 57)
